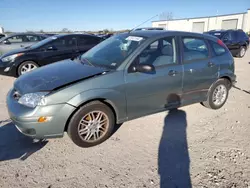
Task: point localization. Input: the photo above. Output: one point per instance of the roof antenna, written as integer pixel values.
(143, 23)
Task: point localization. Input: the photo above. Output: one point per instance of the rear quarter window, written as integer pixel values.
(242, 35)
(218, 49)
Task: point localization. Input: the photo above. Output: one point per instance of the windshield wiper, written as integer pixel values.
(86, 60)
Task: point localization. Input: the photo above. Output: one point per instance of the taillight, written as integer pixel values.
(221, 43)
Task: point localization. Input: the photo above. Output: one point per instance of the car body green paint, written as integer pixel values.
(131, 95)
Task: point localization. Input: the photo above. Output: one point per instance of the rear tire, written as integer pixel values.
(25, 67)
(91, 125)
(242, 52)
(217, 94)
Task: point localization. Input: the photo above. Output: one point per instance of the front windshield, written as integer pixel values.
(42, 42)
(113, 51)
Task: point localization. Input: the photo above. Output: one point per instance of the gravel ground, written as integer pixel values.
(194, 146)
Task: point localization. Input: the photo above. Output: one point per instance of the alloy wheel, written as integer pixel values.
(242, 52)
(27, 68)
(93, 126)
(219, 94)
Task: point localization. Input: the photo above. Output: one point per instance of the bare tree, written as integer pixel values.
(65, 30)
(166, 16)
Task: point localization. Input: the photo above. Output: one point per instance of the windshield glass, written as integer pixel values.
(113, 51)
(42, 42)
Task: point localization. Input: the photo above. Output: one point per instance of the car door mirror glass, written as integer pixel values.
(51, 48)
(144, 68)
(225, 39)
(6, 42)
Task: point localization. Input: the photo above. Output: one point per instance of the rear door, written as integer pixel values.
(243, 38)
(86, 42)
(200, 71)
(231, 40)
(60, 49)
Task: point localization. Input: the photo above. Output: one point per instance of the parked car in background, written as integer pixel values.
(20, 40)
(127, 76)
(49, 50)
(149, 28)
(105, 36)
(237, 41)
(50, 34)
(2, 35)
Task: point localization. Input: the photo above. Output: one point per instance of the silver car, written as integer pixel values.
(19, 40)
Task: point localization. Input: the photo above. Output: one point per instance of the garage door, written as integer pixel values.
(229, 24)
(162, 26)
(198, 27)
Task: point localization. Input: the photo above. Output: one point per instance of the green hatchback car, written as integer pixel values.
(127, 76)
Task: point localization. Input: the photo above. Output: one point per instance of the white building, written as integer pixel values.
(1, 29)
(201, 24)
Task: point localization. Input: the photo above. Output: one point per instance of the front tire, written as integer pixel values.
(25, 67)
(91, 125)
(217, 95)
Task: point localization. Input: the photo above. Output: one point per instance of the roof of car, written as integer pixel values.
(13, 34)
(156, 33)
(71, 34)
(225, 30)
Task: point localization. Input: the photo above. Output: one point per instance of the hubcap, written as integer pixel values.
(93, 126)
(219, 95)
(27, 68)
(242, 52)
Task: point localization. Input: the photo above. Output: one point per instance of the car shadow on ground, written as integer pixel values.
(14, 145)
(248, 92)
(173, 156)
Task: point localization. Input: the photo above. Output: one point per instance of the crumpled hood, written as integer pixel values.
(55, 75)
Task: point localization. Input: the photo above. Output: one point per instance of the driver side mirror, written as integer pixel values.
(6, 42)
(225, 39)
(51, 48)
(144, 68)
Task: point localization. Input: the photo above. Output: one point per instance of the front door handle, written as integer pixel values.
(210, 64)
(172, 73)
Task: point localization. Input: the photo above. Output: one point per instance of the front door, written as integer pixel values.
(152, 92)
(60, 49)
(200, 71)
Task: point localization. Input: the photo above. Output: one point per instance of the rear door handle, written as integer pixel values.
(172, 73)
(210, 64)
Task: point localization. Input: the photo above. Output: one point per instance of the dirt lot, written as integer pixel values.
(193, 146)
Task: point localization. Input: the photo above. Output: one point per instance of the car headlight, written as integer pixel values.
(33, 99)
(11, 58)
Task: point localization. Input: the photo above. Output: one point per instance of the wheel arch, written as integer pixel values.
(102, 100)
(228, 79)
(18, 65)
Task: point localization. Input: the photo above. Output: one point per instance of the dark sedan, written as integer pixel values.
(52, 49)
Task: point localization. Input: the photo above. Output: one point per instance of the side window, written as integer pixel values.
(88, 40)
(218, 50)
(241, 35)
(64, 43)
(194, 49)
(154, 45)
(16, 39)
(33, 38)
(160, 52)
